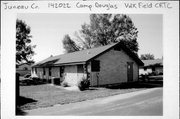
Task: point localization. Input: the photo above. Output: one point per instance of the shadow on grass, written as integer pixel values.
(23, 100)
(31, 83)
(149, 84)
(20, 102)
(20, 112)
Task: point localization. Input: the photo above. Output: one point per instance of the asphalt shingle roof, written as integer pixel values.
(77, 57)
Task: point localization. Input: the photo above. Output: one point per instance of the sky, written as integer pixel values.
(48, 30)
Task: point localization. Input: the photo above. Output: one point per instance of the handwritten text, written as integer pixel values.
(8, 6)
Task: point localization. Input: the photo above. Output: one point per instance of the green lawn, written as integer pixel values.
(47, 95)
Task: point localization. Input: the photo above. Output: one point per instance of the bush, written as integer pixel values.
(65, 84)
(84, 84)
(33, 81)
(154, 73)
(144, 77)
(56, 81)
(161, 73)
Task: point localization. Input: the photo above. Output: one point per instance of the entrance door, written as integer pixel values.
(130, 71)
(94, 79)
(95, 69)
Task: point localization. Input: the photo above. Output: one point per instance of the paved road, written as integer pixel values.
(146, 102)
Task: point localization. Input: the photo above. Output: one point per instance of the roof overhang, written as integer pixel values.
(60, 64)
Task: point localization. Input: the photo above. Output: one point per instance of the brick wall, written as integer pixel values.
(113, 68)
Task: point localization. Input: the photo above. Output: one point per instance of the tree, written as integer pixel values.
(97, 33)
(147, 57)
(105, 29)
(24, 51)
(69, 45)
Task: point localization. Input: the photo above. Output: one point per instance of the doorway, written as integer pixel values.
(95, 69)
(129, 71)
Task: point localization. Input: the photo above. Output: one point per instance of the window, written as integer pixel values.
(80, 68)
(95, 66)
(61, 71)
(145, 68)
(35, 69)
(44, 72)
(50, 71)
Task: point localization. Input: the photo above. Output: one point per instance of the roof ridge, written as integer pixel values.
(85, 49)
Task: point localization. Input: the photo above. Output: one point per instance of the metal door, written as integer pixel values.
(130, 71)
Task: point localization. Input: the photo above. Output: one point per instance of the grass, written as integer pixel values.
(48, 95)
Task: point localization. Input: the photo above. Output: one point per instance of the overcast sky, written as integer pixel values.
(48, 31)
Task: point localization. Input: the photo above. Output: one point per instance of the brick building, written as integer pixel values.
(109, 64)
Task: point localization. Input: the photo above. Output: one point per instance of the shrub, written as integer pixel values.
(56, 81)
(161, 73)
(65, 84)
(144, 77)
(35, 78)
(84, 84)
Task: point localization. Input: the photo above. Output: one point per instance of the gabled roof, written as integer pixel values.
(83, 56)
(158, 62)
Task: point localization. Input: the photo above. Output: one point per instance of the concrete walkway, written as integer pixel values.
(145, 102)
